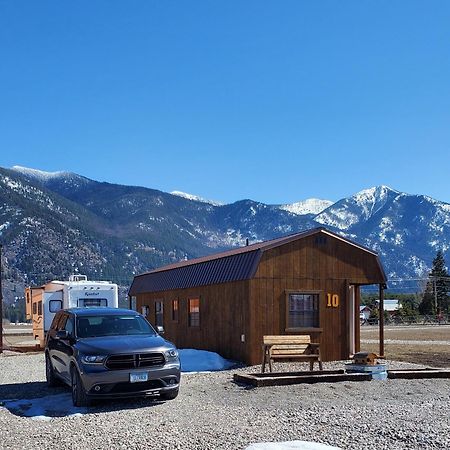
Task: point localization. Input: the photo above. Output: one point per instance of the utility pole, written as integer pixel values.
(1, 303)
(435, 295)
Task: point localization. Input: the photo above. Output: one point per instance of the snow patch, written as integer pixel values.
(202, 361)
(196, 198)
(308, 206)
(40, 174)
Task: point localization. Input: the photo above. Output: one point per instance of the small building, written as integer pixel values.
(364, 313)
(306, 283)
(391, 306)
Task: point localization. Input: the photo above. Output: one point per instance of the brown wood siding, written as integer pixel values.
(223, 311)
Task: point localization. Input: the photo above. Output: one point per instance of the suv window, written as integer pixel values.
(70, 325)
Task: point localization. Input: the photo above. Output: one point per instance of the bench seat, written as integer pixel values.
(289, 348)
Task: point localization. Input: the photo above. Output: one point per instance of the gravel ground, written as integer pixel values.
(212, 412)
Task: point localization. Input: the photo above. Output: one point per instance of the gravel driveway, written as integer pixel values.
(212, 412)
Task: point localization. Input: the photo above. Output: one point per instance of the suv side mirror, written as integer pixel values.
(62, 334)
(160, 329)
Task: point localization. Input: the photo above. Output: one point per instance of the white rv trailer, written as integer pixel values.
(43, 302)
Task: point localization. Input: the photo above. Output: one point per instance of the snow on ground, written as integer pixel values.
(202, 361)
(44, 408)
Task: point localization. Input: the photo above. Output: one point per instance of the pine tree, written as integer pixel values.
(436, 296)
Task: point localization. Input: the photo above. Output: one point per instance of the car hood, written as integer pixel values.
(106, 345)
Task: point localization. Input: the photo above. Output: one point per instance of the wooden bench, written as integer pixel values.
(290, 347)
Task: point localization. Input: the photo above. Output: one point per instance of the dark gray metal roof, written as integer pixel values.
(233, 265)
(241, 266)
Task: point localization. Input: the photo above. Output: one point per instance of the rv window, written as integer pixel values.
(55, 305)
(88, 302)
(40, 308)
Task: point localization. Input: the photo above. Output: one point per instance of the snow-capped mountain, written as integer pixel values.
(52, 224)
(308, 206)
(196, 198)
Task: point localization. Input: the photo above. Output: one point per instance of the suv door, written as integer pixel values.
(60, 349)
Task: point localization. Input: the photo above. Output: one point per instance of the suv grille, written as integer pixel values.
(132, 361)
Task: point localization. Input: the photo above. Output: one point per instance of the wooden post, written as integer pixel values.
(1, 303)
(381, 320)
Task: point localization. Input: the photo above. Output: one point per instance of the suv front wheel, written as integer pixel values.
(52, 380)
(79, 396)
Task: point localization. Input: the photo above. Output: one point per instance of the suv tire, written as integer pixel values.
(79, 396)
(52, 379)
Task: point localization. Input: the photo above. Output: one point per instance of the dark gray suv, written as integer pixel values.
(110, 353)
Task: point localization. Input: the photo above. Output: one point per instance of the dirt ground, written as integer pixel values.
(421, 344)
(427, 344)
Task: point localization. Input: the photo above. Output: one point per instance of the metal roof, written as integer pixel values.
(241, 266)
(232, 265)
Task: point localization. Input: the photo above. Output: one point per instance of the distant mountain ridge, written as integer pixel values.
(54, 224)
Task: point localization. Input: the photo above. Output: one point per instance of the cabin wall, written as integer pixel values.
(223, 324)
(320, 264)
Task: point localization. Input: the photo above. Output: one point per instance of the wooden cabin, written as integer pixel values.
(306, 283)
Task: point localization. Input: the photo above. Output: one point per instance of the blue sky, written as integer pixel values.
(273, 101)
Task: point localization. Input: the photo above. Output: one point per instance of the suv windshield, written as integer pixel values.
(112, 325)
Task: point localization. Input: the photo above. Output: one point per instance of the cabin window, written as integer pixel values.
(159, 314)
(39, 307)
(145, 310)
(194, 312)
(55, 305)
(302, 310)
(34, 308)
(89, 302)
(175, 306)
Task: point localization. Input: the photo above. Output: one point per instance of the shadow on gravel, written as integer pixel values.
(36, 401)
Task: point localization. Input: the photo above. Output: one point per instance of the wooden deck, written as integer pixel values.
(289, 378)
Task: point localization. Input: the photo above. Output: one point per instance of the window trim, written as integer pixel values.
(159, 313)
(51, 302)
(289, 292)
(176, 317)
(197, 324)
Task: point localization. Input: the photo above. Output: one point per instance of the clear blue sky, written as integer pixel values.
(274, 101)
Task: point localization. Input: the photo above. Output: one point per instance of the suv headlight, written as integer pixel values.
(171, 355)
(93, 359)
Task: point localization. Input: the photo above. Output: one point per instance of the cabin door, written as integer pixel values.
(351, 319)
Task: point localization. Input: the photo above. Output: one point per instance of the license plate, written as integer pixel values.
(138, 377)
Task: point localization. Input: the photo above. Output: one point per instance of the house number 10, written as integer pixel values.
(332, 300)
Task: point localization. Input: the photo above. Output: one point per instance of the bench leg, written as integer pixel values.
(311, 365)
(270, 363)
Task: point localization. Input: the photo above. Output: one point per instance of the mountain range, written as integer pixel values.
(55, 224)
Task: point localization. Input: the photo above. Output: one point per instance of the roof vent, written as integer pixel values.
(77, 277)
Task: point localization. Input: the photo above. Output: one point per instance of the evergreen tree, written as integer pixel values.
(436, 299)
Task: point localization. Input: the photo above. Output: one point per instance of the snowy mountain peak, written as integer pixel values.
(308, 206)
(196, 198)
(373, 194)
(40, 174)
